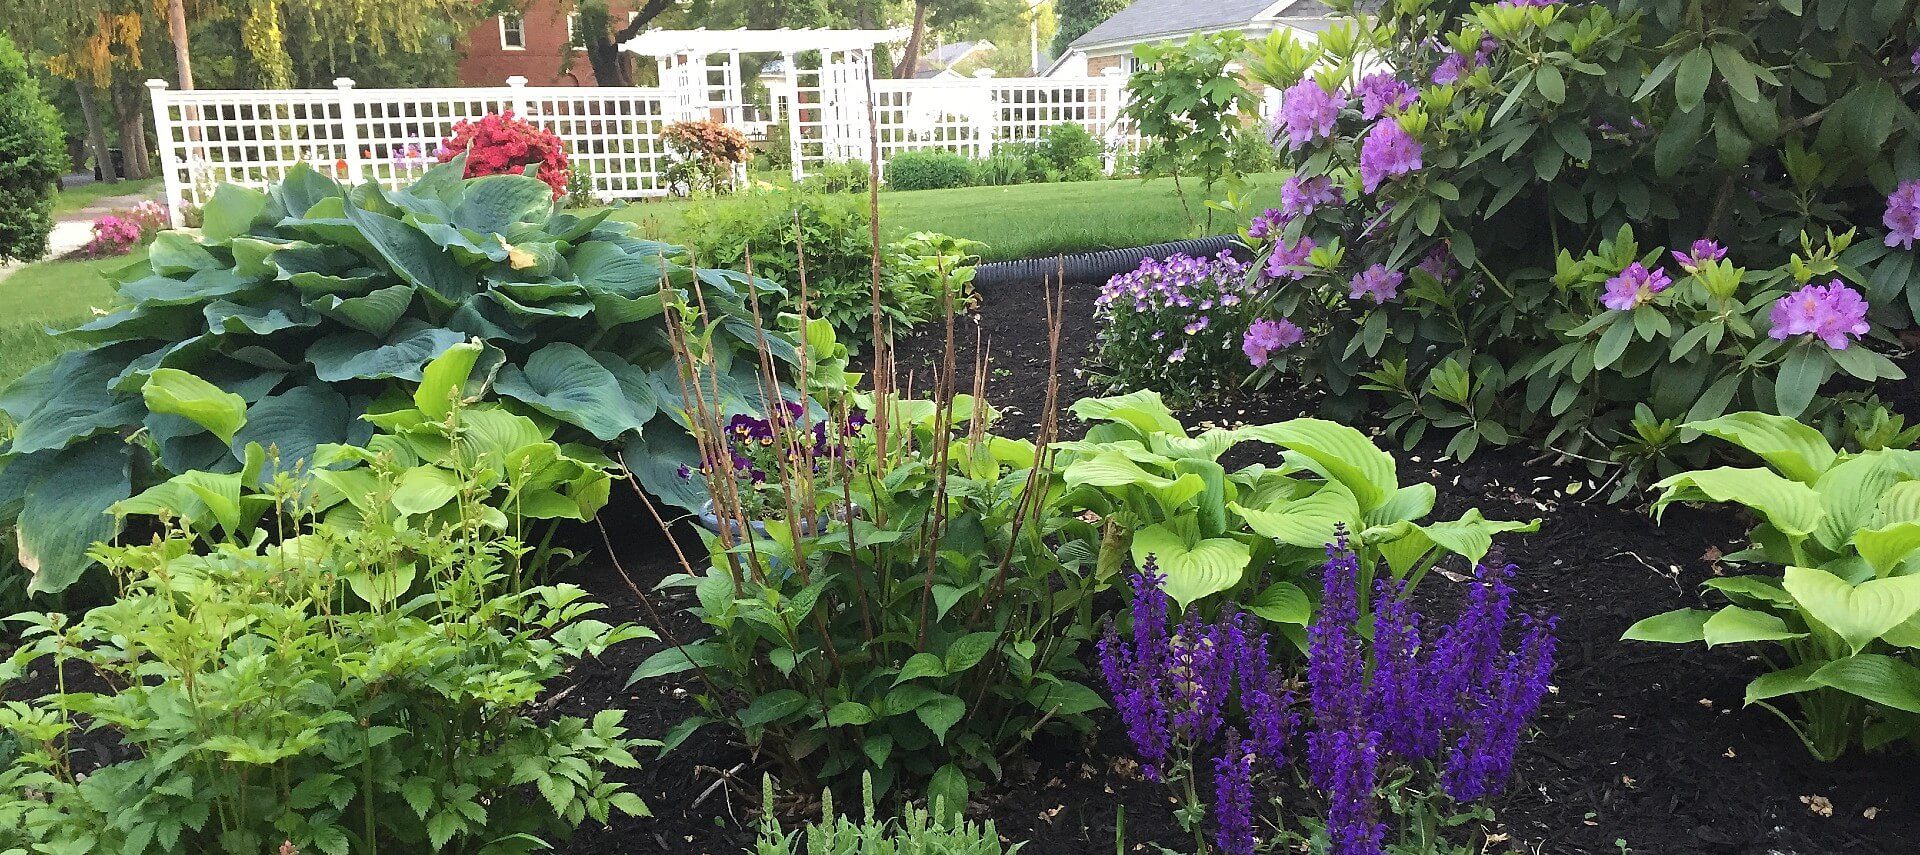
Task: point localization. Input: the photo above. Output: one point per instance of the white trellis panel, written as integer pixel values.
(252, 137)
(972, 115)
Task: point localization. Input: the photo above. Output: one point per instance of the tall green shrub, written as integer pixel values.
(32, 157)
(928, 169)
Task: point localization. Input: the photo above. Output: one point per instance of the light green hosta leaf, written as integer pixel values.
(1791, 681)
(1407, 504)
(444, 379)
(1283, 603)
(1337, 452)
(1851, 491)
(175, 392)
(1900, 503)
(1881, 679)
(566, 383)
(1734, 625)
(425, 489)
(1114, 469)
(1791, 447)
(1143, 410)
(1858, 613)
(231, 212)
(1885, 548)
(1308, 522)
(1790, 506)
(1194, 567)
(1209, 445)
(1680, 626)
(1751, 591)
(496, 437)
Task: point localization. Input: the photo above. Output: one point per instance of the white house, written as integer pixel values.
(1111, 44)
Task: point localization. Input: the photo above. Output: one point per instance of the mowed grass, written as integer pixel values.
(1024, 220)
(73, 199)
(50, 294)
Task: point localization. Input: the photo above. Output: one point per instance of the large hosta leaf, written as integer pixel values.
(414, 257)
(175, 392)
(1337, 452)
(74, 402)
(655, 459)
(1886, 548)
(1792, 507)
(1789, 446)
(231, 212)
(495, 204)
(1143, 410)
(1680, 626)
(1881, 679)
(375, 312)
(357, 356)
(1857, 613)
(1194, 567)
(293, 425)
(1312, 521)
(567, 383)
(65, 510)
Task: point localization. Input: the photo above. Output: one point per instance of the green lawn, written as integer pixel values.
(53, 293)
(71, 200)
(1022, 221)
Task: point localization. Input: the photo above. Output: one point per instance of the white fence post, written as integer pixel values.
(170, 165)
(350, 128)
(518, 95)
(986, 125)
(1116, 98)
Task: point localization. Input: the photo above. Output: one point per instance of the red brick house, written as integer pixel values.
(534, 44)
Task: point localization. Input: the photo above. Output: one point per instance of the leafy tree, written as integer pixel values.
(937, 14)
(1079, 16)
(32, 157)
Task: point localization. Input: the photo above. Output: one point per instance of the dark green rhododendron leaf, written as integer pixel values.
(566, 383)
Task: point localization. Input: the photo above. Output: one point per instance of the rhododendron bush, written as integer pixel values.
(500, 143)
(1583, 224)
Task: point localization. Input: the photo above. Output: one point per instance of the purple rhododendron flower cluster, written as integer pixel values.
(1458, 65)
(1634, 286)
(1381, 93)
(1387, 151)
(1438, 263)
(1376, 282)
(1300, 195)
(1702, 252)
(1833, 313)
(1307, 112)
(1265, 336)
(1903, 214)
(1290, 260)
(1459, 697)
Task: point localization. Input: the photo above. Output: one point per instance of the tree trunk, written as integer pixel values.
(910, 55)
(177, 29)
(96, 132)
(609, 62)
(132, 120)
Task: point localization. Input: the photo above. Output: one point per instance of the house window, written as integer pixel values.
(513, 33)
(1131, 63)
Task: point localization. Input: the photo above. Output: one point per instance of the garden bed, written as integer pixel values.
(1639, 749)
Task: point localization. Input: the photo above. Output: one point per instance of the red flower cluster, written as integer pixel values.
(498, 144)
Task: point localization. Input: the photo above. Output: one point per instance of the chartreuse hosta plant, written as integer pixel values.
(438, 458)
(311, 302)
(1250, 534)
(363, 686)
(1839, 615)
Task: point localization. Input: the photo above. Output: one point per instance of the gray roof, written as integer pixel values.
(1148, 18)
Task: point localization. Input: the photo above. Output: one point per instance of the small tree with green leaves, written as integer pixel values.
(32, 152)
(1187, 102)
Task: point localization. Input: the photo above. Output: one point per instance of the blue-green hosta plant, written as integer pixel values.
(1838, 610)
(290, 695)
(311, 302)
(1162, 491)
(439, 459)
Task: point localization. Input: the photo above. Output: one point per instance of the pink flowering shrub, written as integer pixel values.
(1479, 194)
(120, 232)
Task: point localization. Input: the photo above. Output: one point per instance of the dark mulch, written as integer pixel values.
(1644, 745)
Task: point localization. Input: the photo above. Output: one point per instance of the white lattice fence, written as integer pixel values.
(971, 115)
(251, 138)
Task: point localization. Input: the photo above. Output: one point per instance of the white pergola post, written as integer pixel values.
(793, 114)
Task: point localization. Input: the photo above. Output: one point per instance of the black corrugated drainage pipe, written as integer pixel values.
(1097, 266)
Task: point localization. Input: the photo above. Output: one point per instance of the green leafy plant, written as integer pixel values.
(924, 267)
(1069, 143)
(915, 832)
(1487, 157)
(899, 611)
(1186, 101)
(311, 303)
(1158, 490)
(295, 694)
(32, 158)
(839, 176)
(928, 169)
(1840, 623)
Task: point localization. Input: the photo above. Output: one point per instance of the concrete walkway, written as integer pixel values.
(74, 229)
